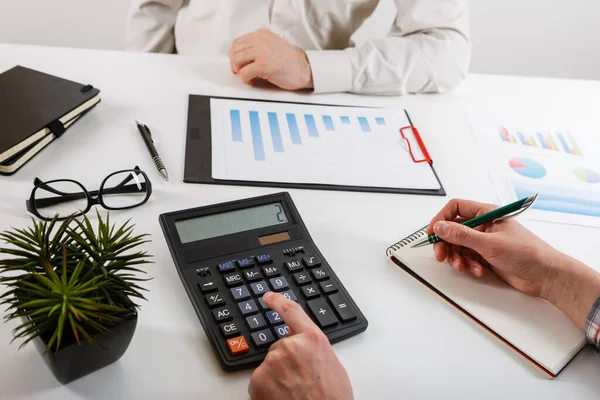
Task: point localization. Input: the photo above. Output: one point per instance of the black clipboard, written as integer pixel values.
(198, 155)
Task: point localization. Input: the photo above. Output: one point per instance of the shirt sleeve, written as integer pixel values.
(592, 326)
(427, 50)
(151, 24)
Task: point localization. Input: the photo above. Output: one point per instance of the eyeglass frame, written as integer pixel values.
(93, 197)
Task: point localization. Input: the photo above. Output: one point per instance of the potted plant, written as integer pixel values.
(72, 288)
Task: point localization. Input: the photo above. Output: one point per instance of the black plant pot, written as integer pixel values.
(73, 360)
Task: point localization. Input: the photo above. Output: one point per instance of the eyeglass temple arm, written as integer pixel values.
(66, 197)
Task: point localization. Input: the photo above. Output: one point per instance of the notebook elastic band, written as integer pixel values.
(57, 128)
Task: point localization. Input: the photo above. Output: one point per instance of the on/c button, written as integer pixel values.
(237, 345)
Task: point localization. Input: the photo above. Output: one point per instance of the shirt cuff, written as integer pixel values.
(592, 326)
(331, 70)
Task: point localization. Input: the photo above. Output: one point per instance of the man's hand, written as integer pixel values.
(301, 366)
(263, 54)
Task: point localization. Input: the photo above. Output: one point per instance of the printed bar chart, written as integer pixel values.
(275, 132)
(257, 142)
(345, 120)
(311, 125)
(364, 124)
(505, 136)
(527, 140)
(328, 123)
(568, 143)
(380, 121)
(293, 126)
(236, 126)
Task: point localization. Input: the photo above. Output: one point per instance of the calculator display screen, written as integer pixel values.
(247, 219)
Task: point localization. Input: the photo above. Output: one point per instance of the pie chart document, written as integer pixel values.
(554, 156)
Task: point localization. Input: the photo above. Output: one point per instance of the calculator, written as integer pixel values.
(228, 255)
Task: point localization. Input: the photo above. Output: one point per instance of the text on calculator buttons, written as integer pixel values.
(237, 345)
(222, 314)
(207, 285)
(282, 331)
(252, 274)
(302, 278)
(279, 283)
(204, 271)
(273, 317)
(248, 307)
(319, 274)
(245, 262)
(256, 322)
(226, 266)
(263, 338)
(322, 312)
(240, 293)
(290, 295)
(310, 291)
(271, 271)
(259, 288)
(230, 328)
(214, 299)
(264, 258)
(342, 307)
(328, 287)
(293, 265)
(233, 279)
(311, 261)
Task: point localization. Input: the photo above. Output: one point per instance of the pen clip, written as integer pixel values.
(526, 205)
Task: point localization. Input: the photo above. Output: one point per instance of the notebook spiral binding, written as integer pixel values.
(413, 237)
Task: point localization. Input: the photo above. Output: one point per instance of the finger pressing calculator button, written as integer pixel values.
(222, 314)
(207, 285)
(342, 307)
(240, 293)
(271, 271)
(319, 274)
(302, 278)
(262, 304)
(214, 299)
(311, 261)
(293, 265)
(226, 266)
(263, 338)
(290, 295)
(252, 275)
(279, 283)
(328, 287)
(256, 322)
(322, 312)
(273, 317)
(245, 262)
(237, 345)
(282, 331)
(248, 307)
(233, 279)
(264, 258)
(230, 328)
(310, 291)
(259, 287)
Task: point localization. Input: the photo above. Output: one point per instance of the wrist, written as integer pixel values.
(571, 286)
(307, 73)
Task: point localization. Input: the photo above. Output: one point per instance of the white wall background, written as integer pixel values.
(557, 38)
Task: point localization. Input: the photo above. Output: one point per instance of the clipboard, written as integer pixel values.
(198, 154)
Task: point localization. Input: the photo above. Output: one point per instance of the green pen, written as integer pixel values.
(508, 211)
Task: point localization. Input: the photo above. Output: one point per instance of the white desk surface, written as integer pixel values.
(415, 347)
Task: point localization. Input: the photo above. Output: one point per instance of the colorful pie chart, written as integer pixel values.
(587, 175)
(527, 168)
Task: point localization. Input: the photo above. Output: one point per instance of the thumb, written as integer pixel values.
(461, 235)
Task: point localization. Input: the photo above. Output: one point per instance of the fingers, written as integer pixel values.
(462, 235)
(290, 312)
(465, 209)
(241, 58)
(250, 72)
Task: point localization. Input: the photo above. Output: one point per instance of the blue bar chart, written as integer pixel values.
(311, 126)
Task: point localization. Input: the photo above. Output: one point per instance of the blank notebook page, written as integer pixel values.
(532, 325)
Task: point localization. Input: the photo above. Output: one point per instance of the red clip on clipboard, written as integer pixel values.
(417, 135)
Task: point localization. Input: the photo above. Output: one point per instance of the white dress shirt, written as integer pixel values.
(426, 48)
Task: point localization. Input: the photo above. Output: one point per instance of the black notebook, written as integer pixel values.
(35, 109)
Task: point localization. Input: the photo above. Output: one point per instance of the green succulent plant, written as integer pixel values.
(67, 281)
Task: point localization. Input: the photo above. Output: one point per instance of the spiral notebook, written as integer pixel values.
(532, 327)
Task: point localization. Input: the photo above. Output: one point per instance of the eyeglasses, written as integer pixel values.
(65, 198)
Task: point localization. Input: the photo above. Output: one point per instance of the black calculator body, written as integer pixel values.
(228, 255)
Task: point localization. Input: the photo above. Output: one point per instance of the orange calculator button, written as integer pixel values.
(237, 345)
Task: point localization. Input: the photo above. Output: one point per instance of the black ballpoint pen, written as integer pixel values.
(145, 132)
